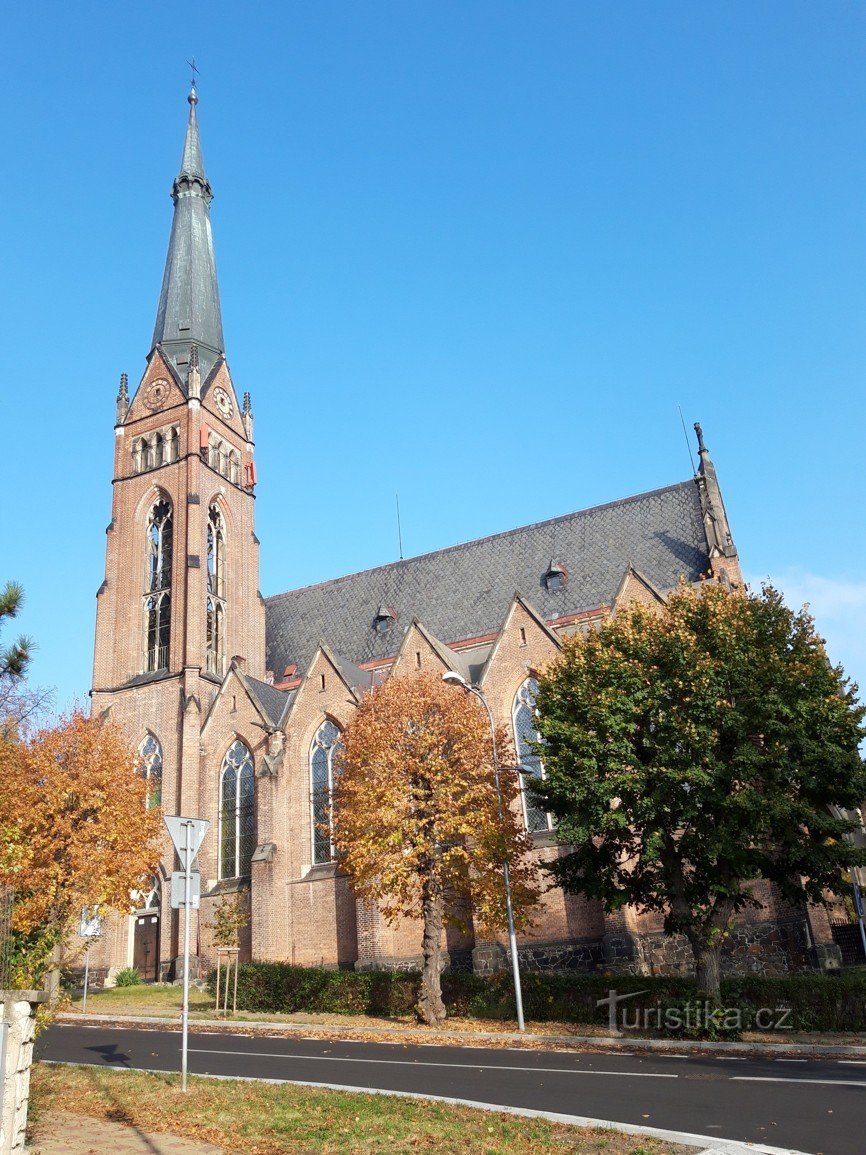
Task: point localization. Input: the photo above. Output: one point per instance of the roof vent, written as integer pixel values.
(555, 576)
(382, 621)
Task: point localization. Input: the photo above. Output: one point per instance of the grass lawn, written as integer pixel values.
(165, 1000)
(266, 1119)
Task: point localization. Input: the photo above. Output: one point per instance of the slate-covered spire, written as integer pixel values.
(189, 304)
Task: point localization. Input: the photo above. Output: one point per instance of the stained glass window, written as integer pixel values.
(237, 828)
(525, 733)
(325, 745)
(150, 753)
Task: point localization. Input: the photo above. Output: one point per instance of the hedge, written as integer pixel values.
(814, 1002)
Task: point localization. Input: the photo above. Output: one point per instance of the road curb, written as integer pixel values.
(704, 1144)
(598, 1042)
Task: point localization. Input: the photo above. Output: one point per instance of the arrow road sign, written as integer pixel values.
(186, 831)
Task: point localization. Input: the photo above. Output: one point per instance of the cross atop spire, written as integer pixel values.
(189, 305)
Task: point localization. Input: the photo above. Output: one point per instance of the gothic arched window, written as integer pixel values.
(216, 591)
(237, 831)
(173, 444)
(148, 897)
(150, 753)
(157, 597)
(325, 745)
(525, 733)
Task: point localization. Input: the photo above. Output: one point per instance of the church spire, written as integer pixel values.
(189, 303)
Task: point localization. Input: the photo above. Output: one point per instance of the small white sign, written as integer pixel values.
(90, 925)
(178, 889)
(186, 832)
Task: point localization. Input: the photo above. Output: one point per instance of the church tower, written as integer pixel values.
(180, 598)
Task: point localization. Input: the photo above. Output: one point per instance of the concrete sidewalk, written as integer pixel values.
(65, 1133)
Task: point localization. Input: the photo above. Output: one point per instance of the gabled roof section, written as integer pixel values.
(271, 702)
(464, 591)
(635, 581)
(189, 305)
(534, 615)
(449, 658)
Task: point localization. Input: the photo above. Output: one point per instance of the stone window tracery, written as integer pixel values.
(216, 591)
(325, 745)
(157, 596)
(524, 714)
(150, 753)
(237, 833)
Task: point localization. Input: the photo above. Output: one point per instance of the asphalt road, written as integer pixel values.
(813, 1106)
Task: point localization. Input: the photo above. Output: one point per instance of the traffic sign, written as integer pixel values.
(90, 925)
(186, 832)
(178, 886)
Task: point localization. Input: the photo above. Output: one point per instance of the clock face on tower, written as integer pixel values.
(223, 402)
(156, 394)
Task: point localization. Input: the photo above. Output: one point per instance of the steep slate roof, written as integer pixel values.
(464, 591)
(189, 303)
(271, 700)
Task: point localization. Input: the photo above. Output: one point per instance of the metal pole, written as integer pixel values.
(87, 976)
(512, 937)
(185, 1014)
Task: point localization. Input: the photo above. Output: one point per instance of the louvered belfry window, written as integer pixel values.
(157, 596)
(216, 591)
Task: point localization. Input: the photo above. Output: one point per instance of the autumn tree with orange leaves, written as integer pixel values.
(75, 831)
(416, 819)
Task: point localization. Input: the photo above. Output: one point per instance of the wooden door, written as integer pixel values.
(145, 953)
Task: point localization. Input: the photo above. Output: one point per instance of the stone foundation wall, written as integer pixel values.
(760, 948)
(577, 955)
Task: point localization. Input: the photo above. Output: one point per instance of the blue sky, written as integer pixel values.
(474, 253)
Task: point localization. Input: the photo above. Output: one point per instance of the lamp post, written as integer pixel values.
(456, 679)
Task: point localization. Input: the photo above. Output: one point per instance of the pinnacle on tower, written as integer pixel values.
(189, 304)
(123, 398)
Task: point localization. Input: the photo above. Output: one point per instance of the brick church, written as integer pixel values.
(237, 701)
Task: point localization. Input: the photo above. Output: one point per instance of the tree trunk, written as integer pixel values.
(430, 1008)
(708, 969)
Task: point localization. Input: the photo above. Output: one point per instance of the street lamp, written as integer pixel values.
(456, 679)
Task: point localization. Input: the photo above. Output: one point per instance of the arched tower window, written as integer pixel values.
(157, 596)
(150, 753)
(173, 444)
(325, 745)
(216, 591)
(525, 732)
(237, 835)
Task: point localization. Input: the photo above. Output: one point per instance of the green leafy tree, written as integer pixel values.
(695, 749)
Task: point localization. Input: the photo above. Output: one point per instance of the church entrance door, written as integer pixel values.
(145, 951)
